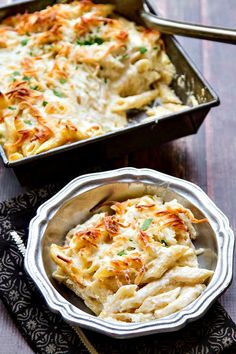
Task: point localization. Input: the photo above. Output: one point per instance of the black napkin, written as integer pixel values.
(47, 333)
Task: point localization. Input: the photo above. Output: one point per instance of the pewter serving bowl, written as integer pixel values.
(80, 199)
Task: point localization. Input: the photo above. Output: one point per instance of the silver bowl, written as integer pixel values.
(78, 200)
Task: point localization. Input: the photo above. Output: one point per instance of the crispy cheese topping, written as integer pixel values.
(136, 264)
(73, 71)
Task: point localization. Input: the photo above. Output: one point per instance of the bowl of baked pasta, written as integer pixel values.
(130, 252)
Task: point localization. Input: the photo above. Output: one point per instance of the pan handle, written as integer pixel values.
(189, 30)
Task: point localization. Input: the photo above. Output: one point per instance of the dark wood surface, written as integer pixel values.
(208, 158)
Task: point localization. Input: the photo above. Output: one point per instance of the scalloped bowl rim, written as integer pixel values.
(72, 314)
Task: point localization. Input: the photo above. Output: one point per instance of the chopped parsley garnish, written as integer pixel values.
(105, 80)
(16, 73)
(62, 81)
(12, 108)
(164, 243)
(130, 239)
(143, 50)
(45, 103)
(14, 79)
(122, 253)
(26, 121)
(34, 87)
(83, 42)
(58, 93)
(24, 42)
(91, 41)
(146, 224)
(26, 78)
(98, 40)
(125, 56)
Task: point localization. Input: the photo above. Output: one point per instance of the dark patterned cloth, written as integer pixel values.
(47, 333)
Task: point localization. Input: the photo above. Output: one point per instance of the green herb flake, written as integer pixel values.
(122, 253)
(90, 41)
(16, 73)
(143, 50)
(105, 80)
(26, 78)
(26, 121)
(12, 108)
(34, 87)
(58, 93)
(24, 42)
(62, 81)
(14, 79)
(164, 243)
(146, 224)
(98, 40)
(45, 103)
(79, 42)
(130, 239)
(125, 56)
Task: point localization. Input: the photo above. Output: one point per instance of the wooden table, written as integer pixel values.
(208, 158)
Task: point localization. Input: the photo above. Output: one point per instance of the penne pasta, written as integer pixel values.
(135, 265)
(73, 71)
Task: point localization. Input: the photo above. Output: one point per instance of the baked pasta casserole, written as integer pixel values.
(137, 264)
(74, 71)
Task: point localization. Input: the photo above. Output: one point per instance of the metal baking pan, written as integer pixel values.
(75, 203)
(137, 135)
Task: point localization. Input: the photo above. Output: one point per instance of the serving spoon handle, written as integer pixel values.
(218, 34)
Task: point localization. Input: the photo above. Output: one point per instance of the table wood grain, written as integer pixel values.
(208, 158)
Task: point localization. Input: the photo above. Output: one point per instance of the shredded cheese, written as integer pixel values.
(136, 264)
(73, 71)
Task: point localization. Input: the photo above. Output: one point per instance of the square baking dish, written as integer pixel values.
(138, 134)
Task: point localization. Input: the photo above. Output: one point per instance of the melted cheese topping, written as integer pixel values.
(72, 71)
(136, 265)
